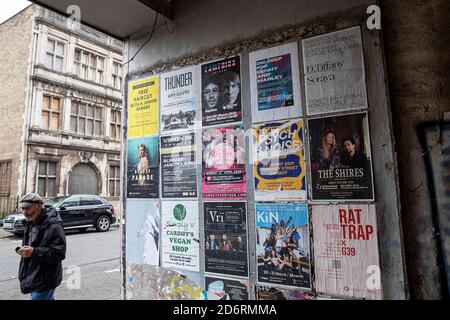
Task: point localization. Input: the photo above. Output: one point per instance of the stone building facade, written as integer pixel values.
(61, 119)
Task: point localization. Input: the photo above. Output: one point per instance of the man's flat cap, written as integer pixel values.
(30, 199)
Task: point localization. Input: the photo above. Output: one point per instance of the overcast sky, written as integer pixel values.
(8, 8)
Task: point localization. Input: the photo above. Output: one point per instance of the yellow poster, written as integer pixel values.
(143, 107)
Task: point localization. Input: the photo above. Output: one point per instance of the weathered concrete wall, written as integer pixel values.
(417, 41)
(15, 42)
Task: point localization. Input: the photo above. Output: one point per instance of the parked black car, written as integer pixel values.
(77, 212)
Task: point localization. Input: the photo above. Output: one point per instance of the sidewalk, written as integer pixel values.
(5, 234)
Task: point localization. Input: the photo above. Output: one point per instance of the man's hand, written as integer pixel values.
(26, 251)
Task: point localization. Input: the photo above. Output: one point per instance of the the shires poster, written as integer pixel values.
(340, 157)
(346, 250)
(143, 167)
(225, 225)
(223, 163)
(221, 92)
(278, 161)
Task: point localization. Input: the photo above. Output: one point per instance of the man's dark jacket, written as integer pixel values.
(43, 270)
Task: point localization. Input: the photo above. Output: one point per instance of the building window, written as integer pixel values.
(86, 120)
(117, 75)
(89, 66)
(54, 57)
(51, 113)
(5, 178)
(47, 179)
(114, 181)
(116, 124)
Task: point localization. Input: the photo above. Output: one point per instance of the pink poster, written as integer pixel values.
(223, 163)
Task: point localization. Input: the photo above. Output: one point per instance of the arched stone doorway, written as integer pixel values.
(83, 179)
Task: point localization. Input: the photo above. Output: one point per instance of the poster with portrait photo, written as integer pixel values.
(275, 83)
(221, 92)
(272, 293)
(340, 158)
(282, 245)
(143, 167)
(278, 161)
(226, 288)
(225, 225)
(178, 166)
(334, 72)
(223, 163)
(180, 235)
(178, 100)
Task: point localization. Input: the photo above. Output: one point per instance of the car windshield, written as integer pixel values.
(55, 201)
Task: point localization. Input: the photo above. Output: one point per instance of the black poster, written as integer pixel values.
(226, 238)
(227, 289)
(341, 165)
(178, 170)
(221, 92)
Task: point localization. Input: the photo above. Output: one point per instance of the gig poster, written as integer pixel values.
(272, 293)
(221, 92)
(340, 158)
(282, 245)
(143, 167)
(178, 166)
(180, 235)
(346, 250)
(334, 72)
(143, 107)
(178, 100)
(278, 161)
(227, 289)
(223, 163)
(275, 83)
(225, 225)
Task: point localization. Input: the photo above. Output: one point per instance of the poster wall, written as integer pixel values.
(346, 250)
(334, 72)
(143, 107)
(143, 167)
(227, 289)
(341, 165)
(282, 245)
(221, 92)
(225, 225)
(223, 163)
(180, 235)
(142, 226)
(271, 293)
(178, 166)
(178, 100)
(278, 161)
(275, 83)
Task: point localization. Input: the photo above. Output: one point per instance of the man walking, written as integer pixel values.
(43, 249)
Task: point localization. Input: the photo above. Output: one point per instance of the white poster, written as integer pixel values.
(346, 251)
(180, 235)
(275, 83)
(178, 100)
(334, 72)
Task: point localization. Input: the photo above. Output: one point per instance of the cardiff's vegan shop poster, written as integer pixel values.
(180, 235)
(275, 84)
(223, 163)
(178, 100)
(334, 72)
(221, 92)
(178, 166)
(227, 289)
(278, 161)
(143, 167)
(346, 250)
(225, 226)
(282, 245)
(143, 105)
(341, 167)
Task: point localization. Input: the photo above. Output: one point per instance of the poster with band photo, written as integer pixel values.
(340, 158)
(221, 92)
(275, 83)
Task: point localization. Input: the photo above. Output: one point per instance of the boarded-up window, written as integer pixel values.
(116, 124)
(117, 75)
(86, 120)
(46, 184)
(51, 112)
(114, 181)
(5, 178)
